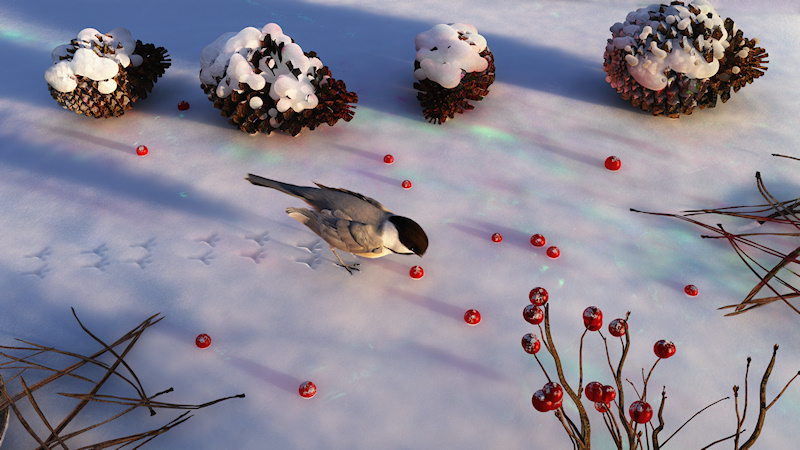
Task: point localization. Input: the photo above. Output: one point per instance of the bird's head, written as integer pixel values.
(410, 234)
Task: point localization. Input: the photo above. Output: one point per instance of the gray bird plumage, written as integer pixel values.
(351, 221)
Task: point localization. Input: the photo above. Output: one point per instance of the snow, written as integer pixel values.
(648, 62)
(227, 60)
(444, 58)
(86, 223)
(90, 61)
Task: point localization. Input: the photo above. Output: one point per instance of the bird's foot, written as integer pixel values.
(349, 267)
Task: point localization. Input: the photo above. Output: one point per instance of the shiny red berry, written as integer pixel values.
(641, 412)
(416, 272)
(594, 391)
(537, 240)
(472, 317)
(406, 184)
(540, 402)
(531, 343)
(203, 340)
(183, 106)
(601, 407)
(307, 389)
(609, 394)
(617, 327)
(553, 252)
(553, 391)
(141, 150)
(538, 296)
(664, 349)
(691, 290)
(533, 314)
(497, 237)
(593, 318)
(613, 163)
(388, 159)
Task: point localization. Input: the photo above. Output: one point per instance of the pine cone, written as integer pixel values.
(102, 75)
(276, 86)
(670, 59)
(443, 94)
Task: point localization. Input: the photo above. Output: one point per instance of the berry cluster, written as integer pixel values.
(609, 399)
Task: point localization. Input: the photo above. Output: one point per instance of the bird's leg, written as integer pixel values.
(349, 268)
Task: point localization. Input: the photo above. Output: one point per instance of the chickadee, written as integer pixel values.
(352, 222)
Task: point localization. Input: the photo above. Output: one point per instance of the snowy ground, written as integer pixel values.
(88, 224)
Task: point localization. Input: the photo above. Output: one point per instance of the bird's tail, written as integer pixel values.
(286, 188)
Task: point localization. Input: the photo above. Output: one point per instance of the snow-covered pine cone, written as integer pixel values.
(262, 81)
(669, 59)
(453, 65)
(102, 75)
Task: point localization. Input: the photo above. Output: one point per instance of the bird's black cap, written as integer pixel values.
(410, 234)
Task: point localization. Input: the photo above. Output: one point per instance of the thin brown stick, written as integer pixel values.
(585, 435)
(690, 419)
(762, 410)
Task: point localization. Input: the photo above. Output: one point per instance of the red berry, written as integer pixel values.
(307, 389)
(664, 349)
(540, 402)
(618, 327)
(537, 240)
(558, 404)
(553, 392)
(416, 272)
(641, 412)
(203, 340)
(594, 391)
(609, 394)
(531, 343)
(472, 316)
(553, 252)
(406, 184)
(690, 290)
(141, 150)
(593, 318)
(497, 237)
(183, 106)
(388, 159)
(538, 296)
(533, 314)
(601, 407)
(613, 163)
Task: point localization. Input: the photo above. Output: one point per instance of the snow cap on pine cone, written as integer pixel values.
(670, 58)
(263, 81)
(453, 65)
(103, 74)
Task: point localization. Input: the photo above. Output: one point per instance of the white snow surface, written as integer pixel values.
(86, 223)
(444, 58)
(648, 60)
(91, 62)
(228, 59)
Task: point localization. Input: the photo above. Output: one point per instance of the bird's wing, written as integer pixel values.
(369, 200)
(339, 231)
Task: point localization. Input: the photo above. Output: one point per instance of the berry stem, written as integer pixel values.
(544, 371)
(583, 439)
(644, 389)
(580, 362)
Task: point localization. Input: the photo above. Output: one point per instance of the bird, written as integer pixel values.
(350, 221)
